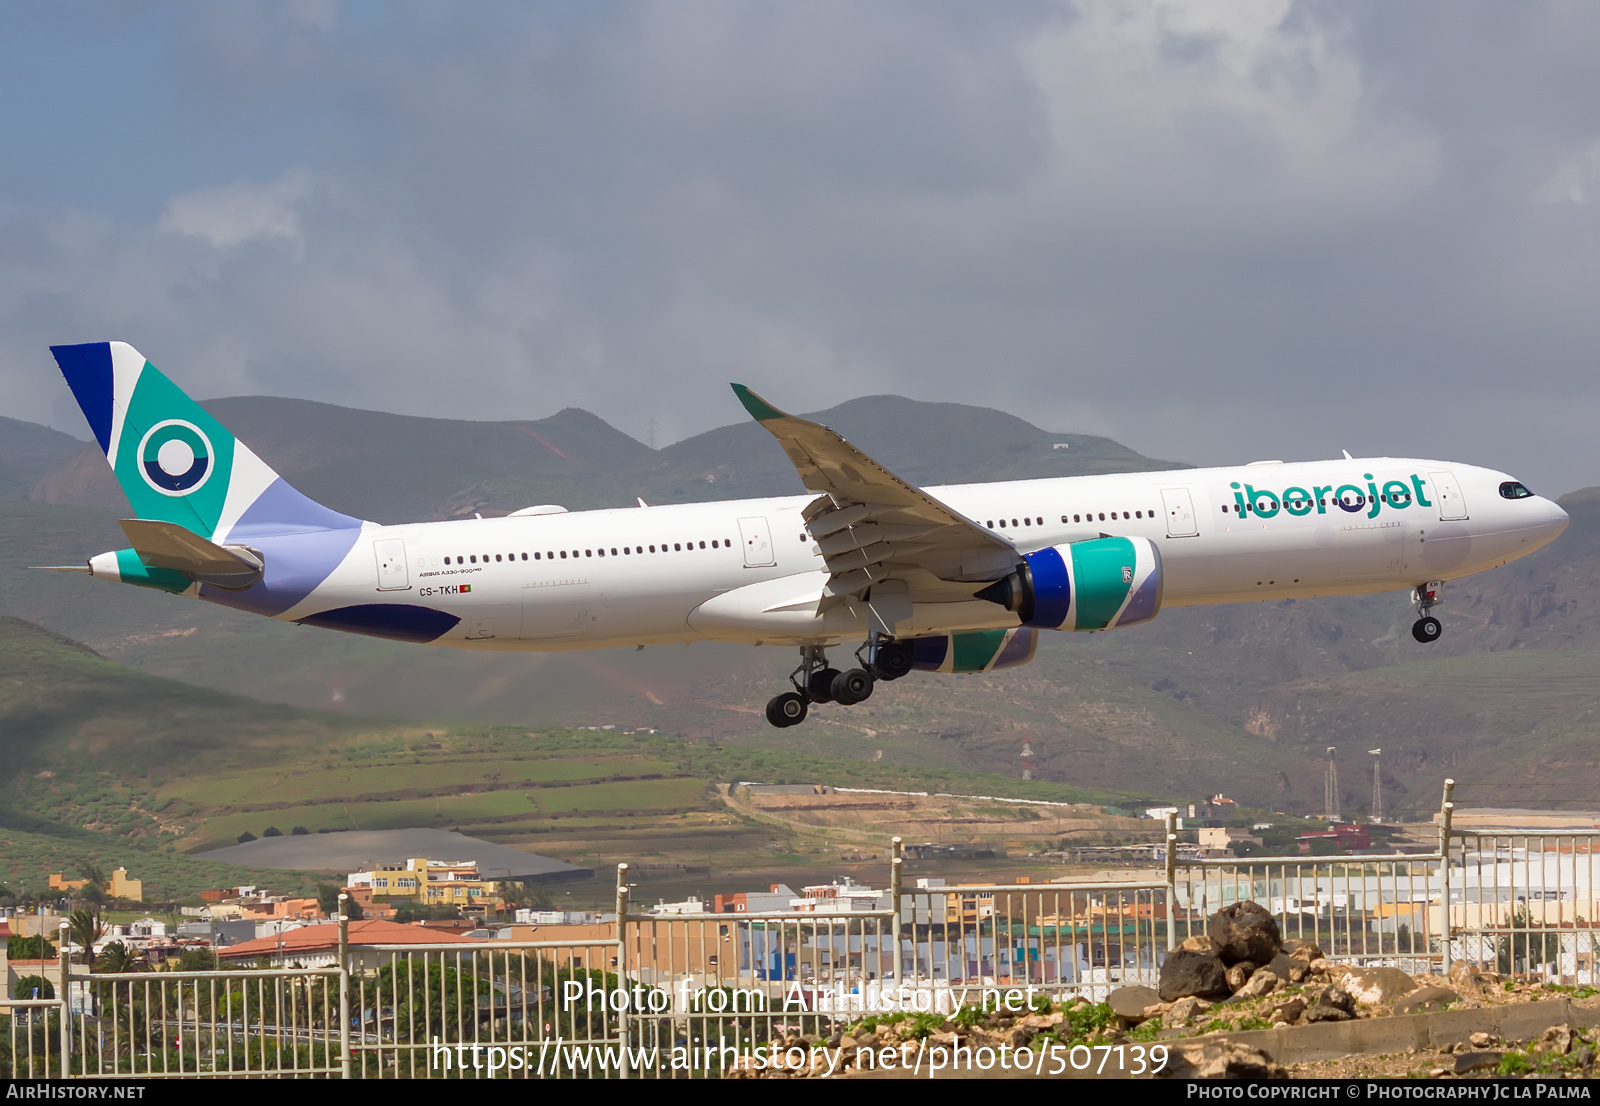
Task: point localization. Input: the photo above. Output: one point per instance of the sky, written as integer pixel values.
(1215, 231)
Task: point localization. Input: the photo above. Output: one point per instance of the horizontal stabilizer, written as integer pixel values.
(170, 546)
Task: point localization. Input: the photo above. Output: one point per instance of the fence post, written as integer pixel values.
(896, 889)
(622, 966)
(1446, 807)
(1172, 879)
(64, 966)
(344, 988)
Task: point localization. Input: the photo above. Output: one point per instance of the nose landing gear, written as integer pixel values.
(1426, 628)
(815, 682)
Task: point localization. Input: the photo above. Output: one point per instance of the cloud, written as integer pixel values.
(1214, 230)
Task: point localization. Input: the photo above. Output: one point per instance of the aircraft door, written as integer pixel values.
(757, 543)
(1452, 505)
(1181, 522)
(556, 608)
(392, 572)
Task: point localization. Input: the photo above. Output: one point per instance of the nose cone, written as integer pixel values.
(1548, 526)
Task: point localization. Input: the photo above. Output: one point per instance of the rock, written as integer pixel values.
(1477, 1061)
(1020, 1036)
(1331, 1004)
(1183, 1012)
(1156, 1009)
(1187, 972)
(1289, 1010)
(1469, 979)
(1426, 1000)
(1221, 1060)
(1377, 985)
(849, 1044)
(1245, 931)
(1583, 1057)
(1263, 981)
(1200, 943)
(1297, 948)
(1128, 1003)
(1239, 974)
(1325, 967)
(1480, 1039)
(1558, 1038)
(1281, 965)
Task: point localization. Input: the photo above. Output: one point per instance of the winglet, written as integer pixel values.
(759, 408)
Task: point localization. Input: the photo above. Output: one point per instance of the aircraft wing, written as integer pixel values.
(873, 526)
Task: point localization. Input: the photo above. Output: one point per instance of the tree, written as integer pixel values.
(272, 831)
(84, 928)
(246, 836)
(30, 948)
(328, 902)
(32, 986)
(300, 831)
(114, 958)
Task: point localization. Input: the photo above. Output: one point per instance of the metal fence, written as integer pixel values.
(690, 995)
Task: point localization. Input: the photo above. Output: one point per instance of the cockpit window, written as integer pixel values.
(1513, 489)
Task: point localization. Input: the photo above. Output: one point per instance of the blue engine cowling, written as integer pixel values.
(1087, 585)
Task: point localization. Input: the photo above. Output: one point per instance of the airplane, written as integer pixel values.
(959, 578)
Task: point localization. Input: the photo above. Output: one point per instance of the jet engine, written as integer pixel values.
(974, 650)
(1086, 585)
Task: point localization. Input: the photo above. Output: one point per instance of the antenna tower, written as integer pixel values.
(1330, 789)
(1377, 785)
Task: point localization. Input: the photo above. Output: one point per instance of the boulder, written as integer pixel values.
(1220, 1060)
(1239, 974)
(1331, 1004)
(1183, 1012)
(1290, 1010)
(1128, 1003)
(1282, 965)
(1377, 985)
(1186, 972)
(1245, 931)
(1426, 1000)
(1477, 1061)
(1301, 949)
(1263, 981)
(1469, 979)
(1199, 943)
(1558, 1038)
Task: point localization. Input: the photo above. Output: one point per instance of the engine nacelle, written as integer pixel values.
(1087, 585)
(975, 650)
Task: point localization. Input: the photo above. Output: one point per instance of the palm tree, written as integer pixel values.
(84, 928)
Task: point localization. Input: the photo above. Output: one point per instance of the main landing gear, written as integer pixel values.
(1426, 628)
(816, 682)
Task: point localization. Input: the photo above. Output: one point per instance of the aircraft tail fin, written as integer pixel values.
(174, 461)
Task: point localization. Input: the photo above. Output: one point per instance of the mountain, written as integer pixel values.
(28, 451)
(400, 468)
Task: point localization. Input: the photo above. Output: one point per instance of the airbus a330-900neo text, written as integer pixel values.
(959, 578)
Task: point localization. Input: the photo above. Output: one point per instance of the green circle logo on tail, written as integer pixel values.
(175, 457)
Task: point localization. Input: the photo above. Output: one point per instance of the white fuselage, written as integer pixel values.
(746, 571)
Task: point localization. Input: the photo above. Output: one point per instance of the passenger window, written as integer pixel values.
(563, 554)
(1102, 516)
(702, 545)
(1124, 514)
(1063, 518)
(524, 556)
(447, 560)
(1041, 521)
(474, 558)
(496, 557)
(713, 543)
(613, 552)
(1138, 514)
(588, 553)
(1027, 522)
(1513, 489)
(990, 524)
(1075, 518)
(677, 547)
(602, 552)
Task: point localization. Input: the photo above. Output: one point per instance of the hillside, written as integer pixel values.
(104, 764)
(27, 452)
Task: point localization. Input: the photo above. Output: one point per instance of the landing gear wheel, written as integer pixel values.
(788, 709)
(893, 661)
(821, 685)
(1426, 629)
(852, 686)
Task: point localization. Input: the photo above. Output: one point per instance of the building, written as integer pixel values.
(317, 946)
(1221, 841)
(121, 887)
(754, 902)
(430, 883)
